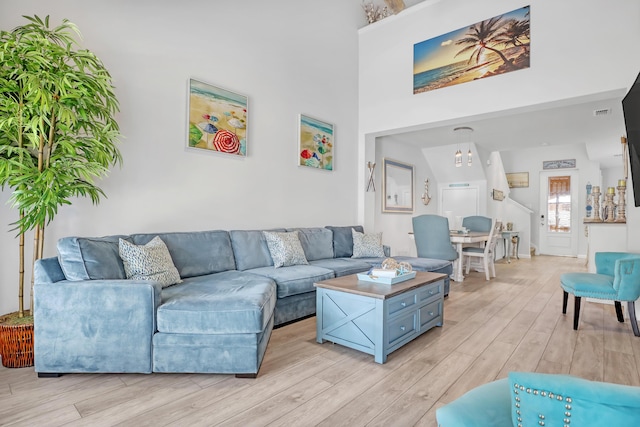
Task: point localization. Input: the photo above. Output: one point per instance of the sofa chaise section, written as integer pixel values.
(90, 318)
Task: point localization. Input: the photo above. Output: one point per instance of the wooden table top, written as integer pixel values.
(352, 285)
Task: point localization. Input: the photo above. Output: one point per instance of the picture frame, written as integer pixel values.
(518, 179)
(397, 186)
(559, 164)
(216, 119)
(316, 143)
(497, 195)
(462, 56)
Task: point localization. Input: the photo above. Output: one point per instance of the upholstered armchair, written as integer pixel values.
(617, 278)
(533, 399)
(431, 234)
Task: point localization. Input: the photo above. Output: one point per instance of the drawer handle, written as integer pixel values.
(402, 328)
(431, 313)
(404, 304)
(431, 292)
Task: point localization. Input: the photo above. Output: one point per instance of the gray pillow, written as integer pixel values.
(285, 248)
(343, 240)
(367, 245)
(149, 262)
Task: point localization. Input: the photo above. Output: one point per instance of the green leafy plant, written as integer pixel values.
(57, 126)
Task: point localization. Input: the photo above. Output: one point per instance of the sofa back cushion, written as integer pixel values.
(343, 240)
(91, 258)
(317, 243)
(195, 253)
(250, 248)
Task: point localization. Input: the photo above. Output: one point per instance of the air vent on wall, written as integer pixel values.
(602, 112)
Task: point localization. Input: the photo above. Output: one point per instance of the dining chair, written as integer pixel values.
(431, 234)
(486, 253)
(477, 223)
(617, 278)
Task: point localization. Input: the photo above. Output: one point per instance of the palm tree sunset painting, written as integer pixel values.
(494, 46)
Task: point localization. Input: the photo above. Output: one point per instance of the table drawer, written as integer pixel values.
(401, 302)
(431, 291)
(430, 312)
(402, 327)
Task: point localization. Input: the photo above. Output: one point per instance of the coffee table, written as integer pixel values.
(376, 318)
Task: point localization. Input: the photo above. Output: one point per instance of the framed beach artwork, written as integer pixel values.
(518, 179)
(316, 140)
(494, 46)
(217, 119)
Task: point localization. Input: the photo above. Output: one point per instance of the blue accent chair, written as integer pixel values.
(617, 278)
(477, 223)
(528, 398)
(431, 233)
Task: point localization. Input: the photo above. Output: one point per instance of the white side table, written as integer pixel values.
(508, 245)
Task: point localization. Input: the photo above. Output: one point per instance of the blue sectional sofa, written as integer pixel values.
(90, 318)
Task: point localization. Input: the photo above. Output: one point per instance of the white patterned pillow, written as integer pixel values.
(367, 245)
(285, 248)
(149, 262)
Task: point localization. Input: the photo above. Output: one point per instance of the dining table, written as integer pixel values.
(459, 239)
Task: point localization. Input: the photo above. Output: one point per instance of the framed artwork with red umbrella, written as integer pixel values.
(316, 139)
(217, 119)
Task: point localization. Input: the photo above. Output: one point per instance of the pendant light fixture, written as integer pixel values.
(463, 135)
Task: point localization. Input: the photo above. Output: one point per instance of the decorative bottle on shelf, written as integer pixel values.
(609, 208)
(589, 203)
(595, 196)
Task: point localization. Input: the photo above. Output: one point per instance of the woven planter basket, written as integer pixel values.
(16, 345)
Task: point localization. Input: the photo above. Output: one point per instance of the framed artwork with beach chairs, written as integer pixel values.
(316, 139)
(487, 48)
(217, 119)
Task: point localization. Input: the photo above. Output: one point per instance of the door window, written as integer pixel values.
(559, 204)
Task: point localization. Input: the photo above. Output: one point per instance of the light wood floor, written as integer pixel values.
(513, 322)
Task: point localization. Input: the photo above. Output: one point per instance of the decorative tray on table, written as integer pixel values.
(386, 280)
(390, 273)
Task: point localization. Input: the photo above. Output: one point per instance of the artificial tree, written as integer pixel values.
(57, 128)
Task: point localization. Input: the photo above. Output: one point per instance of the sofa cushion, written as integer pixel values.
(367, 245)
(149, 262)
(195, 253)
(229, 302)
(427, 264)
(91, 258)
(296, 279)
(285, 248)
(316, 242)
(250, 249)
(343, 240)
(343, 266)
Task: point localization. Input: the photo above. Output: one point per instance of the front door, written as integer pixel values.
(559, 213)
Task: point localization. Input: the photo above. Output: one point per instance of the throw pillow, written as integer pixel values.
(149, 262)
(285, 248)
(367, 245)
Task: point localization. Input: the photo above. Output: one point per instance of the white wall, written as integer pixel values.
(396, 226)
(569, 60)
(288, 57)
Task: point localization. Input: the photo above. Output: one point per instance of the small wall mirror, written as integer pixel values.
(397, 187)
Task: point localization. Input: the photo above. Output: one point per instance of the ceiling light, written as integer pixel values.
(463, 135)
